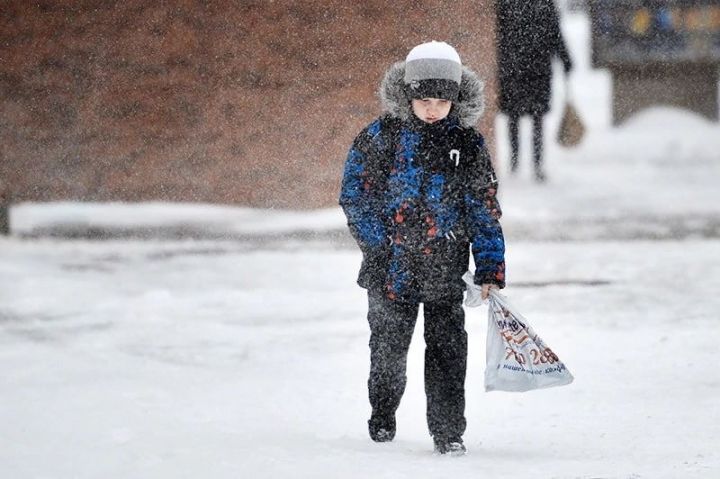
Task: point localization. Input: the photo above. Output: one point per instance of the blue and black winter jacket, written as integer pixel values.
(419, 197)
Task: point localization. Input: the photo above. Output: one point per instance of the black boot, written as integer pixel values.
(381, 428)
(452, 446)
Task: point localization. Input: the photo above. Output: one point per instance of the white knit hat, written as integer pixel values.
(433, 70)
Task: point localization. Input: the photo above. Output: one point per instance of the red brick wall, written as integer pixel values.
(243, 102)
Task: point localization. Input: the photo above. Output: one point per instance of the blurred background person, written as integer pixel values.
(528, 37)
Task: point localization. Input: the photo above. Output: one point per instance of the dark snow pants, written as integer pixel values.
(391, 328)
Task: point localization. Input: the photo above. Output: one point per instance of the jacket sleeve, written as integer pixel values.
(360, 193)
(482, 215)
(560, 48)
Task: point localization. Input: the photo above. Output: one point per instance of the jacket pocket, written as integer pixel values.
(373, 271)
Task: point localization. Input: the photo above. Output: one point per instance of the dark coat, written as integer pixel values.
(528, 37)
(417, 196)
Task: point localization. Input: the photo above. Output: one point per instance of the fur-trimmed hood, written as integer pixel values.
(468, 109)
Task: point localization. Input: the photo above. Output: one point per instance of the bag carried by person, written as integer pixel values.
(473, 293)
(517, 358)
(571, 129)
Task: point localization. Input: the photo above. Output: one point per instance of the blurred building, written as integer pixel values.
(240, 102)
(659, 52)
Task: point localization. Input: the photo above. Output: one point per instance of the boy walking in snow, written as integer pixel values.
(419, 193)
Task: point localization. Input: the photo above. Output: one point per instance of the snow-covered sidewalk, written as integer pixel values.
(203, 359)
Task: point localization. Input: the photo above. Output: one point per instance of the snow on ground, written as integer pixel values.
(203, 219)
(172, 360)
(226, 359)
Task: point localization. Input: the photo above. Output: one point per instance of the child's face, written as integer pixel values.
(431, 110)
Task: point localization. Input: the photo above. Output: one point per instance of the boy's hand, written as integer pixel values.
(486, 290)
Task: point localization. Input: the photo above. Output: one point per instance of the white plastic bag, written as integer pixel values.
(473, 296)
(517, 359)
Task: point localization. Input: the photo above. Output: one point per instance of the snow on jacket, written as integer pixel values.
(418, 197)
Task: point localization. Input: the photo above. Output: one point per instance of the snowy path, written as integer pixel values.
(174, 360)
